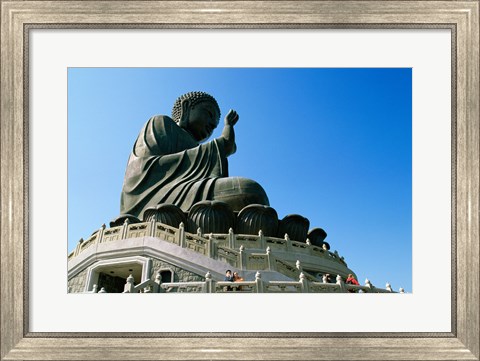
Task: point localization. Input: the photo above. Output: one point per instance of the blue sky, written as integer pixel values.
(334, 145)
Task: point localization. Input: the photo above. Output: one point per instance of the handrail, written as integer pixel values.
(303, 285)
(206, 244)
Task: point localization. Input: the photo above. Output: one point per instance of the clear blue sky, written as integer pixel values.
(334, 145)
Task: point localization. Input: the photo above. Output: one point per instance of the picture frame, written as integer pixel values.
(18, 343)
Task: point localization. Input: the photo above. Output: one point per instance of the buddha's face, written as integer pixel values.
(202, 120)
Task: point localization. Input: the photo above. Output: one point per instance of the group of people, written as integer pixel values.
(233, 277)
(351, 281)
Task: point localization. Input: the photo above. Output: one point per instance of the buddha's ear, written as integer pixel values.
(185, 104)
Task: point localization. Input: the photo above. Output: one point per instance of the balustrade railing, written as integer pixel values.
(303, 285)
(230, 248)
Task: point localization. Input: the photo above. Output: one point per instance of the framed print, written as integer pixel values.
(42, 41)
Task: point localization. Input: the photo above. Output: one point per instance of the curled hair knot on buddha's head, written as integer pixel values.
(193, 98)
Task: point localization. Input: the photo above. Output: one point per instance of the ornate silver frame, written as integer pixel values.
(17, 17)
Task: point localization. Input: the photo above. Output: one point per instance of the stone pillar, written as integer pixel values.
(305, 286)
(309, 244)
(209, 286)
(148, 270)
(269, 259)
(388, 287)
(157, 285)
(259, 283)
(243, 260)
(79, 247)
(298, 265)
(261, 239)
(211, 247)
(287, 240)
(129, 286)
(231, 239)
(125, 228)
(100, 233)
(153, 225)
(369, 285)
(181, 235)
(341, 284)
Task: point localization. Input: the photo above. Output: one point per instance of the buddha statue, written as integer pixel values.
(171, 161)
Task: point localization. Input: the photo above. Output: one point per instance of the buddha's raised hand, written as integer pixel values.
(231, 118)
(228, 134)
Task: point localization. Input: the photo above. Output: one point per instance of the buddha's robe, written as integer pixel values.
(167, 165)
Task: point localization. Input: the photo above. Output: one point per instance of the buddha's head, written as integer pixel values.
(198, 113)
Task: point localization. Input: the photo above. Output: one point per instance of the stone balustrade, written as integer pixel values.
(303, 285)
(234, 249)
